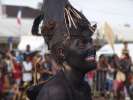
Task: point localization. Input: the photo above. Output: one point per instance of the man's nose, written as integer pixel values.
(90, 45)
(92, 51)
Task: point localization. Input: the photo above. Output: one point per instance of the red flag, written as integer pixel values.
(19, 17)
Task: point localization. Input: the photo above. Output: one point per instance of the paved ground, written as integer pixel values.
(99, 98)
(102, 98)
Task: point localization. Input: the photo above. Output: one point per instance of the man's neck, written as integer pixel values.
(73, 76)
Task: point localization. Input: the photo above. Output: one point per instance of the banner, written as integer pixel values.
(109, 34)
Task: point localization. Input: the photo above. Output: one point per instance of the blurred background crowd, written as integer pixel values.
(113, 77)
(25, 61)
(19, 70)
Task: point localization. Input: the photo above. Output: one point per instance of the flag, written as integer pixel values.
(19, 17)
(109, 34)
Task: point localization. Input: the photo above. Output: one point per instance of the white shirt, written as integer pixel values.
(27, 76)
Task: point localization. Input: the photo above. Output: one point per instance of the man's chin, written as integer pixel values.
(89, 66)
(83, 66)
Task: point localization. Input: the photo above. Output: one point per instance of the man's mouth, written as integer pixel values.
(90, 58)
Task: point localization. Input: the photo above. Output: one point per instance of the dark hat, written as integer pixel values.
(62, 21)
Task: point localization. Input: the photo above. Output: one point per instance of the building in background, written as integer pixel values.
(9, 27)
(98, 11)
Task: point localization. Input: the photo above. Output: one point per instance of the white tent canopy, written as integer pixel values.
(107, 50)
(35, 42)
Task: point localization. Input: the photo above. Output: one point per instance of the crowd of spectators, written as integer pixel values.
(113, 77)
(19, 70)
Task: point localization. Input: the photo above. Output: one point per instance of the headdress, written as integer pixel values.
(62, 21)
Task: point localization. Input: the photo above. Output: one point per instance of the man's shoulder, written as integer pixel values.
(54, 86)
(53, 89)
(57, 80)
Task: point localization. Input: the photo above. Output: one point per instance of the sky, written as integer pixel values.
(113, 11)
(117, 11)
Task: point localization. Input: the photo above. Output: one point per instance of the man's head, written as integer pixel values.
(80, 54)
(71, 43)
(102, 58)
(77, 51)
(28, 47)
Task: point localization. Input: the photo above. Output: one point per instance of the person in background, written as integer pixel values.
(9, 67)
(131, 85)
(90, 79)
(27, 68)
(111, 74)
(126, 63)
(19, 56)
(101, 71)
(4, 79)
(2, 70)
(16, 68)
(45, 67)
(28, 50)
(125, 49)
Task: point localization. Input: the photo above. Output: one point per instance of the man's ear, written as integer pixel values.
(60, 55)
(60, 52)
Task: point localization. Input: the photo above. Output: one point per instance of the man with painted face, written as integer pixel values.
(68, 35)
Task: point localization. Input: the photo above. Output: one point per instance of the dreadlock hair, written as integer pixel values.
(57, 52)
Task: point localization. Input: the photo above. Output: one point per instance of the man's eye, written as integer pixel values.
(77, 42)
(80, 42)
(86, 41)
